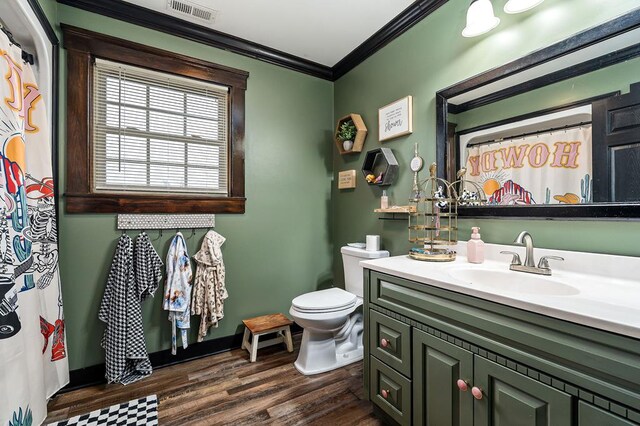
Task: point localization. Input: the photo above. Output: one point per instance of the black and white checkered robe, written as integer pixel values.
(132, 278)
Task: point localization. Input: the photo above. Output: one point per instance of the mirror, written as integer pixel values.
(553, 134)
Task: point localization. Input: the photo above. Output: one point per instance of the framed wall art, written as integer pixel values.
(395, 119)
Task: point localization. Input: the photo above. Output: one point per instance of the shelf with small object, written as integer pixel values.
(380, 167)
(350, 134)
(395, 212)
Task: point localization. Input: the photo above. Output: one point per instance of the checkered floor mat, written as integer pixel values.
(142, 412)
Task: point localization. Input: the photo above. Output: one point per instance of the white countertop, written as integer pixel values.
(608, 287)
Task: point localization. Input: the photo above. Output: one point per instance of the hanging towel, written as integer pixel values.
(177, 291)
(209, 291)
(147, 266)
(133, 277)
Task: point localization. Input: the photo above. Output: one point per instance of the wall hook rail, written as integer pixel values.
(165, 221)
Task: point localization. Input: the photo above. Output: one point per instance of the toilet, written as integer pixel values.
(331, 321)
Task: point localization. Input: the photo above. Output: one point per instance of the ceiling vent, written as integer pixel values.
(184, 8)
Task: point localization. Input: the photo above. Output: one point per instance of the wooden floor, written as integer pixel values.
(227, 389)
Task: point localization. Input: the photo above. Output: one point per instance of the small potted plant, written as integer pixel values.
(346, 134)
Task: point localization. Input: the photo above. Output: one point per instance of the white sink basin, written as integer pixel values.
(512, 282)
(596, 290)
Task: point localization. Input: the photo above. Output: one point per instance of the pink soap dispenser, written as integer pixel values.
(475, 247)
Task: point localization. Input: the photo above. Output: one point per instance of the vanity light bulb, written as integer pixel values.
(480, 18)
(518, 6)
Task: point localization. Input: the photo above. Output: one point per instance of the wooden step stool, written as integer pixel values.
(266, 324)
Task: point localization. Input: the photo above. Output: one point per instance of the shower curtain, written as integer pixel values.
(33, 358)
(545, 168)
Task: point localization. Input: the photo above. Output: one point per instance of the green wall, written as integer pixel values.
(277, 250)
(296, 219)
(429, 57)
(50, 8)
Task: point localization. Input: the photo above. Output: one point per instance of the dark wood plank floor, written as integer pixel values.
(227, 389)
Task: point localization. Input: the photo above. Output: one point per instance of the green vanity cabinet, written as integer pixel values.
(510, 398)
(588, 415)
(507, 398)
(391, 391)
(438, 365)
(391, 342)
(453, 359)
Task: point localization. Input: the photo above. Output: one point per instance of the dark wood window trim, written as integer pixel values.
(82, 48)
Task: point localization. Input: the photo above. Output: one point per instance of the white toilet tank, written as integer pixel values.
(353, 275)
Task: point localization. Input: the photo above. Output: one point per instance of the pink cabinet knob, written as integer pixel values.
(384, 343)
(462, 385)
(476, 392)
(384, 393)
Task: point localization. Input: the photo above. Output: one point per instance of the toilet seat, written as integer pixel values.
(324, 301)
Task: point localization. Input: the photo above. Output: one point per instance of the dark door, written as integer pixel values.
(616, 147)
(510, 399)
(438, 365)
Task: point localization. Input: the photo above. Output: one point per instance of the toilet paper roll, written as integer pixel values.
(373, 243)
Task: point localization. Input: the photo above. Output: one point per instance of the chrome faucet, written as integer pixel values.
(525, 239)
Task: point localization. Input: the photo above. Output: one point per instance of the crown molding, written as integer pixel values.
(151, 19)
(147, 18)
(413, 14)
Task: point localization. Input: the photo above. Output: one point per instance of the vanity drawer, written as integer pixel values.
(390, 391)
(390, 341)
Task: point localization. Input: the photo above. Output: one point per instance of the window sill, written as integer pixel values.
(132, 203)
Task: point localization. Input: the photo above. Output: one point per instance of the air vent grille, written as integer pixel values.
(184, 7)
(181, 7)
(201, 13)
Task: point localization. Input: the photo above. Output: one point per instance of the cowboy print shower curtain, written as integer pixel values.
(33, 359)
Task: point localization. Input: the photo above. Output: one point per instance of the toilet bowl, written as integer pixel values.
(332, 319)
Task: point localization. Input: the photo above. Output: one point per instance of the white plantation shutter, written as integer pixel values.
(156, 132)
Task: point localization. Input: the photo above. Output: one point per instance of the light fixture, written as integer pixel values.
(517, 6)
(480, 18)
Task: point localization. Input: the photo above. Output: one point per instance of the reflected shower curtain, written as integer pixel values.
(545, 168)
(33, 359)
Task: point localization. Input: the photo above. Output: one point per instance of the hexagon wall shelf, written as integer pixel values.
(380, 161)
(361, 134)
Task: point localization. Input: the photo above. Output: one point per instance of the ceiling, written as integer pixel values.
(320, 31)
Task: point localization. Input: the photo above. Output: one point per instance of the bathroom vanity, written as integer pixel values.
(461, 344)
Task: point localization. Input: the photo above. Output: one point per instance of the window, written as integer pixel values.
(163, 132)
(153, 132)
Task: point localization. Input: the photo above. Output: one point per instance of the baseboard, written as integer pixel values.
(94, 375)
(387, 420)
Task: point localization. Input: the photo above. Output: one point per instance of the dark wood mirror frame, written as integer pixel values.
(445, 143)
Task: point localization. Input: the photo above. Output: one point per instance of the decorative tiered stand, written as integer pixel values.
(433, 228)
(433, 225)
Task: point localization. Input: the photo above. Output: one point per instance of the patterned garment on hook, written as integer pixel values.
(132, 278)
(209, 290)
(177, 291)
